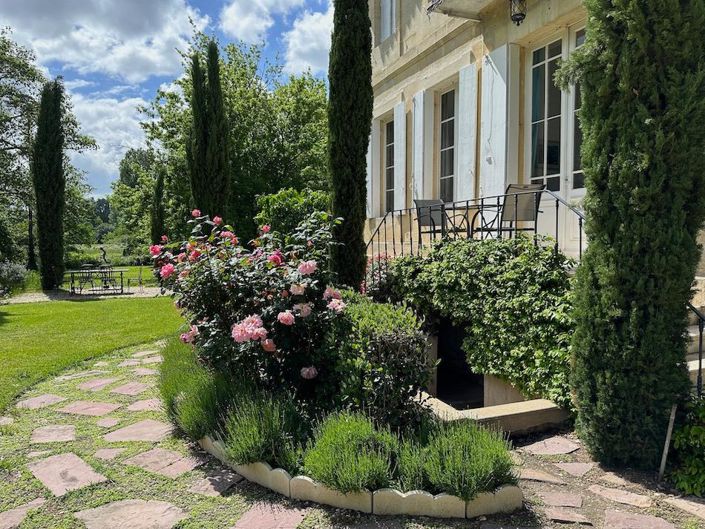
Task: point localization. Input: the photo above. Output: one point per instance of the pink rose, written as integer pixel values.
(183, 274)
(251, 328)
(286, 318)
(331, 293)
(308, 267)
(217, 220)
(304, 309)
(196, 213)
(188, 337)
(298, 289)
(276, 258)
(181, 257)
(266, 228)
(336, 305)
(309, 373)
(269, 345)
(165, 239)
(167, 270)
(155, 249)
(194, 255)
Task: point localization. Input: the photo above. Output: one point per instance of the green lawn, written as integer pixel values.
(32, 283)
(41, 339)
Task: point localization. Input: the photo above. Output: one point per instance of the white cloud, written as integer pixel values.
(308, 42)
(129, 39)
(250, 21)
(78, 83)
(114, 124)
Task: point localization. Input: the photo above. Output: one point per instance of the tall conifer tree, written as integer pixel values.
(642, 78)
(157, 212)
(349, 119)
(49, 184)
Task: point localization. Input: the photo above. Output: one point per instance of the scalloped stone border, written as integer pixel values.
(506, 499)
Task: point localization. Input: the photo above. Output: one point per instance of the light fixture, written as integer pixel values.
(517, 11)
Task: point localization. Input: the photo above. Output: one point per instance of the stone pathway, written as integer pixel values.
(63, 295)
(94, 449)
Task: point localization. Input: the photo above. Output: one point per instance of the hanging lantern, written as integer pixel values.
(517, 11)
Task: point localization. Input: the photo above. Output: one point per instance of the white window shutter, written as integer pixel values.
(423, 145)
(369, 178)
(375, 155)
(400, 156)
(467, 132)
(493, 123)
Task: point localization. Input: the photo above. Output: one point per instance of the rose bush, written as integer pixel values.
(265, 311)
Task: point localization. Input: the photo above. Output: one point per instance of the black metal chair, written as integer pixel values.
(430, 217)
(520, 204)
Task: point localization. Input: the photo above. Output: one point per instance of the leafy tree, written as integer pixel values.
(50, 184)
(642, 79)
(157, 212)
(349, 119)
(102, 209)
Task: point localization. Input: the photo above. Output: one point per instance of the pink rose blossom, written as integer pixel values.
(269, 345)
(217, 220)
(331, 293)
(251, 328)
(336, 305)
(309, 373)
(266, 228)
(284, 293)
(189, 337)
(181, 257)
(196, 213)
(276, 258)
(286, 318)
(304, 309)
(298, 289)
(183, 274)
(155, 249)
(308, 267)
(194, 255)
(167, 270)
(165, 239)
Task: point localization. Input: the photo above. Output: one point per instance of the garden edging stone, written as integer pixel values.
(506, 499)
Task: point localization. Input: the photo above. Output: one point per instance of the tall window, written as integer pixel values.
(389, 166)
(546, 106)
(577, 169)
(447, 173)
(387, 16)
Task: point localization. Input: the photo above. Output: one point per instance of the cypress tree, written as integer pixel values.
(49, 184)
(207, 148)
(349, 121)
(157, 212)
(642, 75)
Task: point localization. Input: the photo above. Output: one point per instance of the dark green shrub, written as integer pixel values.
(511, 297)
(689, 444)
(285, 210)
(261, 427)
(464, 459)
(12, 277)
(349, 454)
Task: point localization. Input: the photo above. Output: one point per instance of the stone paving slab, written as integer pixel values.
(164, 462)
(54, 433)
(108, 454)
(101, 364)
(13, 518)
(624, 520)
(529, 474)
(130, 363)
(89, 409)
(217, 483)
(64, 472)
(690, 505)
(552, 446)
(6, 421)
(131, 389)
(621, 496)
(146, 405)
(560, 515)
(576, 469)
(270, 516)
(42, 401)
(96, 384)
(562, 499)
(152, 360)
(144, 371)
(614, 479)
(142, 354)
(108, 422)
(38, 453)
(132, 514)
(82, 374)
(148, 430)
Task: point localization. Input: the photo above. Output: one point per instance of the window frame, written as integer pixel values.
(388, 164)
(439, 141)
(391, 14)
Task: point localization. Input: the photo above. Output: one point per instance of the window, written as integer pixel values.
(577, 169)
(389, 166)
(546, 104)
(447, 145)
(386, 16)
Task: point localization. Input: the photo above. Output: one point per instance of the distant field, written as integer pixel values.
(32, 283)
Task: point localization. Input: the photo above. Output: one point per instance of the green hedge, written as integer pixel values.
(285, 210)
(511, 297)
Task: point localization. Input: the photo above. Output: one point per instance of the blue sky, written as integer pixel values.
(115, 54)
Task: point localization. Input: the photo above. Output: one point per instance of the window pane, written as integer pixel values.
(390, 178)
(553, 146)
(448, 105)
(537, 150)
(539, 55)
(555, 49)
(553, 184)
(390, 132)
(577, 142)
(538, 81)
(389, 195)
(554, 93)
(579, 38)
(537, 181)
(578, 180)
(447, 189)
(389, 156)
(448, 134)
(447, 162)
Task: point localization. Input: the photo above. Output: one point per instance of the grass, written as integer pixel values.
(41, 339)
(33, 284)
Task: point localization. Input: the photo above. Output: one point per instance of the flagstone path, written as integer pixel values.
(94, 449)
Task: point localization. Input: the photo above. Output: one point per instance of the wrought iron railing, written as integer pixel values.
(701, 327)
